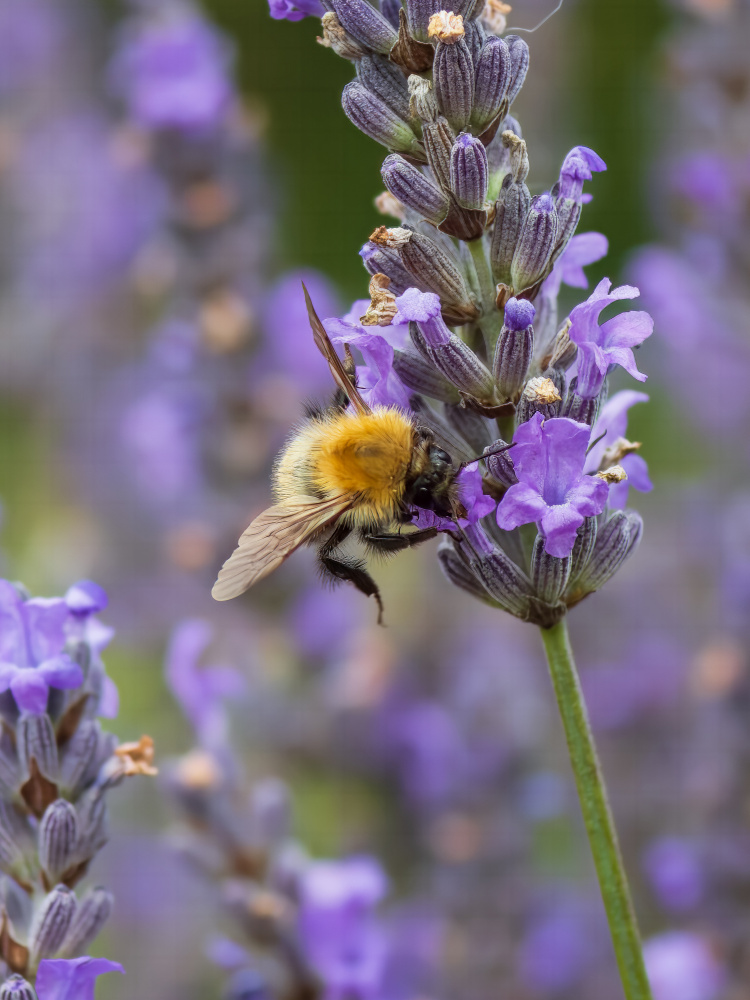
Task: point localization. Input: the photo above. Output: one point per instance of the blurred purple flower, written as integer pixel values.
(86, 598)
(32, 637)
(559, 946)
(613, 424)
(295, 10)
(674, 869)
(681, 966)
(583, 249)
(31, 33)
(611, 343)
(288, 347)
(378, 382)
(552, 490)
(579, 166)
(71, 978)
(174, 72)
(200, 690)
(340, 934)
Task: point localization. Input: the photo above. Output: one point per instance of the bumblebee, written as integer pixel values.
(347, 468)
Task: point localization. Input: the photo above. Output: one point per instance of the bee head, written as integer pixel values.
(431, 483)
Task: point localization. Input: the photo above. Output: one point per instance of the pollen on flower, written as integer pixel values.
(617, 451)
(392, 238)
(382, 308)
(542, 391)
(137, 758)
(387, 204)
(446, 27)
(615, 474)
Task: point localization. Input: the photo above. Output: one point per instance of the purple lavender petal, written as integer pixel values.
(86, 597)
(417, 306)
(61, 672)
(13, 647)
(559, 525)
(294, 10)
(71, 978)
(520, 505)
(30, 690)
(46, 618)
(109, 700)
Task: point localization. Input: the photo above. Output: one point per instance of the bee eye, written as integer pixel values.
(438, 455)
(423, 498)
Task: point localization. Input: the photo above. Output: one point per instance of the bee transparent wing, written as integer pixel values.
(326, 348)
(273, 536)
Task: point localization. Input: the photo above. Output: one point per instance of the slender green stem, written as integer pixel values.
(596, 813)
(491, 319)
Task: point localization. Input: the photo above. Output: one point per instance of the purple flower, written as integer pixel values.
(71, 978)
(476, 502)
(579, 166)
(378, 382)
(32, 637)
(583, 249)
(340, 934)
(611, 343)
(200, 690)
(295, 10)
(86, 598)
(173, 73)
(552, 490)
(674, 869)
(613, 424)
(681, 965)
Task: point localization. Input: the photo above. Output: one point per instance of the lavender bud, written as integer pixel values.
(51, 923)
(515, 347)
(584, 409)
(492, 80)
(549, 574)
(82, 755)
(458, 573)
(454, 359)
(386, 260)
(541, 395)
(438, 138)
(387, 82)
(511, 209)
(92, 823)
(472, 426)
(407, 183)
(425, 260)
(58, 839)
(36, 738)
(418, 14)
(372, 116)
(16, 988)
(475, 36)
(564, 351)
(469, 172)
(469, 9)
(419, 376)
(340, 40)
(453, 79)
(92, 914)
(271, 810)
(14, 835)
(519, 60)
(583, 548)
(366, 24)
(535, 244)
(390, 11)
(500, 466)
(617, 539)
(504, 581)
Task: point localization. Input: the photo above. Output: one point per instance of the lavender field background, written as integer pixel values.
(391, 808)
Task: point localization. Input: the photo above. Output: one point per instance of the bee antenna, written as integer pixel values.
(595, 442)
(487, 453)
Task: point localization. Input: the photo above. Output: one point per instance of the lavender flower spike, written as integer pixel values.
(611, 343)
(552, 490)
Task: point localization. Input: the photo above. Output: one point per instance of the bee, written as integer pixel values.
(347, 468)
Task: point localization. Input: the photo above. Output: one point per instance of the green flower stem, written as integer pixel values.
(492, 319)
(596, 813)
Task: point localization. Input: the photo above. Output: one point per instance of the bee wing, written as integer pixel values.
(326, 348)
(273, 536)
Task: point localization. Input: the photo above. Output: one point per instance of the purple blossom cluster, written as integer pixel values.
(57, 766)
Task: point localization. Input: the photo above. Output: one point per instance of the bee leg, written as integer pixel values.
(352, 571)
(391, 542)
